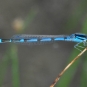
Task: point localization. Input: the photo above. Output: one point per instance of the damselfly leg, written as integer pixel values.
(78, 46)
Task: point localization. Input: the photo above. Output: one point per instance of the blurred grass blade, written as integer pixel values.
(13, 53)
(84, 29)
(76, 17)
(29, 19)
(83, 77)
(3, 68)
(15, 66)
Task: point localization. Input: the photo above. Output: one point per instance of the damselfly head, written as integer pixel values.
(80, 36)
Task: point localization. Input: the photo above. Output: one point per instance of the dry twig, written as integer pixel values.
(57, 79)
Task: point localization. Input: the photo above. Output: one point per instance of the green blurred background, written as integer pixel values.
(38, 66)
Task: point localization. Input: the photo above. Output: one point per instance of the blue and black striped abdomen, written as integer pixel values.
(40, 39)
(36, 39)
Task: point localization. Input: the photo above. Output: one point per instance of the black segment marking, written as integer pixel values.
(65, 38)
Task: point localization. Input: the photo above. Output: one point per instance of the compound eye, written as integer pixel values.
(80, 35)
